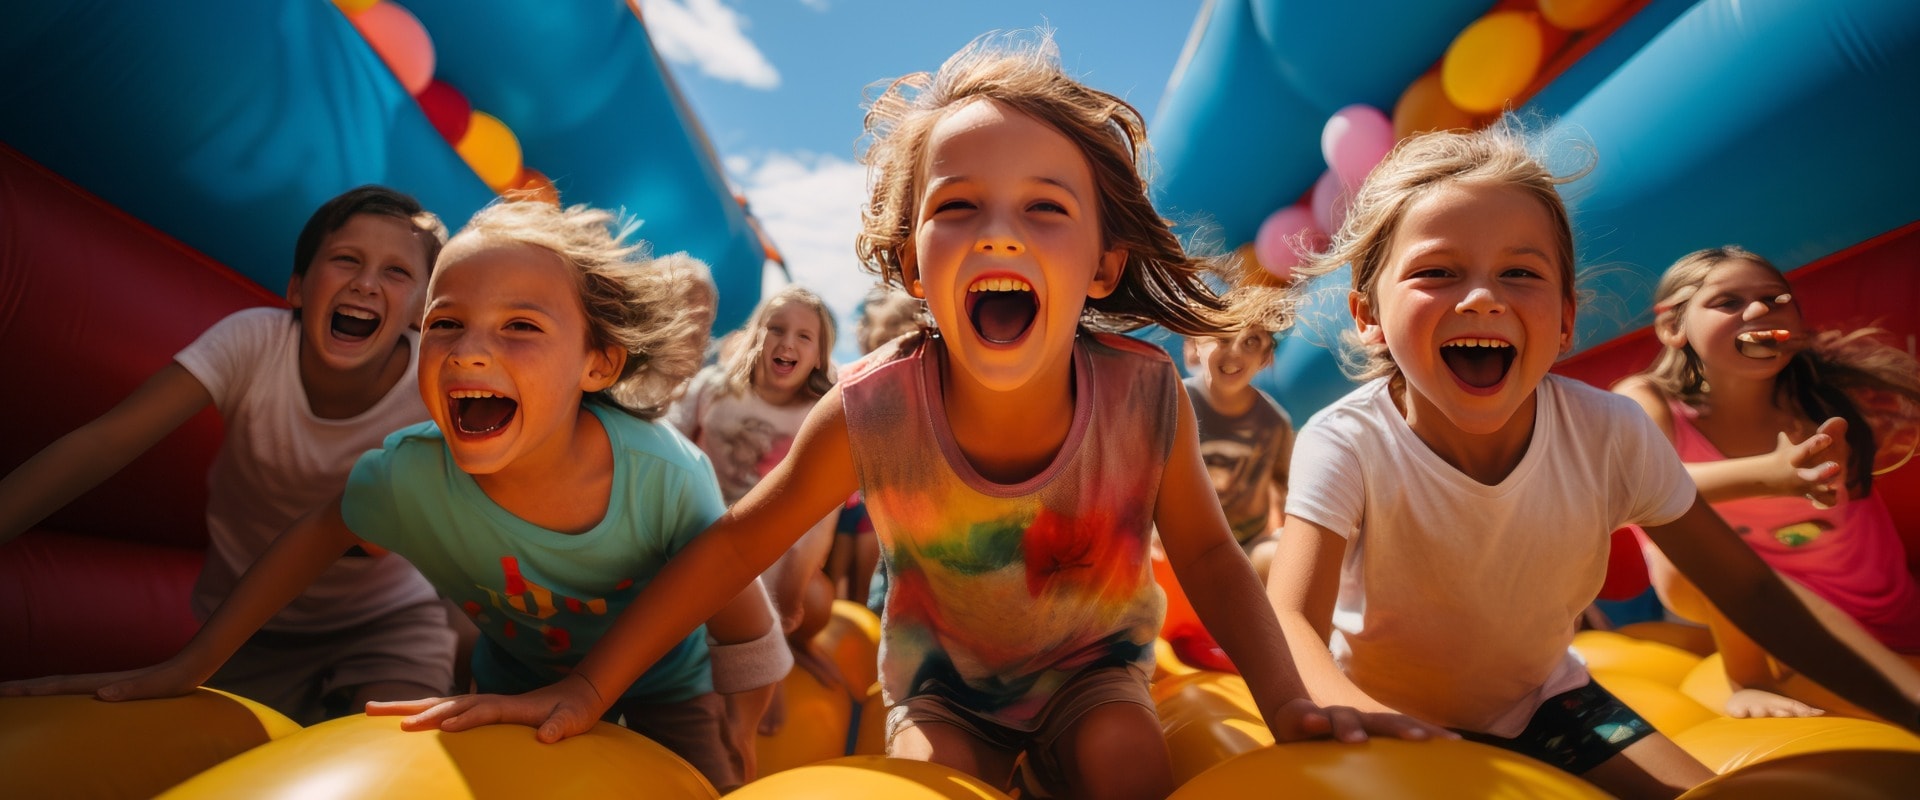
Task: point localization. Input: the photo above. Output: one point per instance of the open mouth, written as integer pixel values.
(1762, 345)
(477, 412)
(1002, 309)
(1479, 363)
(354, 324)
(782, 366)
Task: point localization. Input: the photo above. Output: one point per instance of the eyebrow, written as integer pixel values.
(946, 180)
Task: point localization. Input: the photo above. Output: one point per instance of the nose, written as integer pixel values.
(998, 237)
(1481, 300)
(466, 350)
(1756, 310)
(366, 278)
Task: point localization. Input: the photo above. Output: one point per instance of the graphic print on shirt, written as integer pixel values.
(519, 597)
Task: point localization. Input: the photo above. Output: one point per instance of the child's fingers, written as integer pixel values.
(1348, 725)
(395, 708)
(432, 717)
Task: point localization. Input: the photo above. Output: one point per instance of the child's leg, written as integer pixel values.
(1260, 551)
(1651, 767)
(695, 730)
(405, 655)
(949, 742)
(1114, 750)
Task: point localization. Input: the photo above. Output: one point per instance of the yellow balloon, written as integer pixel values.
(1424, 107)
(852, 640)
(76, 746)
(1384, 768)
(1729, 744)
(370, 757)
(1578, 15)
(491, 150)
(1492, 61)
(1695, 639)
(1662, 663)
(871, 739)
(1666, 708)
(352, 7)
(1165, 664)
(817, 718)
(869, 778)
(1208, 717)
(1839, 775)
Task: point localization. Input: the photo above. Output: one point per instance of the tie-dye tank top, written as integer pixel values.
(1850, 555)
(1001, 592)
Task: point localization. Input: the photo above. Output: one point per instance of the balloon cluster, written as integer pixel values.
(481, 139)
(1495, 62)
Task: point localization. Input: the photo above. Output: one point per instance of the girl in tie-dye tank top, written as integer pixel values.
(1016, 456)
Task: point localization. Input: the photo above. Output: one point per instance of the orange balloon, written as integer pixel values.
(1424, 107)
(400, 40)
(1578, 15)
(491, 150)
(352, 7)
(533, 185)
(1492, 61)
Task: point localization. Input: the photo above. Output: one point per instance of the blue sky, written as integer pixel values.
(778, 85)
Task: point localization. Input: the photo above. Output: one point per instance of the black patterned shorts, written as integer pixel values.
(1574, 730)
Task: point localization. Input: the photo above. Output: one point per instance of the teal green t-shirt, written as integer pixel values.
(543, 598)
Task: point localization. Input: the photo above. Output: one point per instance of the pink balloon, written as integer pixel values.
(1281, 237)
(1354, 139)
(401, 41)
(1329, 202)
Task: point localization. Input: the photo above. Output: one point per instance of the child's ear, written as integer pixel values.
(1566, 328)
(603, 368)
(1106, 279)
(293, 290)
(1364, 319)
(910, 271)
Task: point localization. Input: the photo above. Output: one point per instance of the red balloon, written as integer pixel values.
(446, 108)
(1626, 568)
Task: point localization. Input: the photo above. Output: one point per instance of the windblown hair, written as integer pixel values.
(369, 199)
(1496, 156)
(1161, 283)
(879, 297)
(740, 361)
(632, 301)
(1827, 379)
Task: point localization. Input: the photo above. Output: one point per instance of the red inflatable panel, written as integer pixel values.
(79, 603)
(92, 303)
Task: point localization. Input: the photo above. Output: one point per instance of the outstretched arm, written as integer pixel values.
(95, 451)
(1812, 637)
(816, 476)
(1809, 467)
(288, 566)
(1227, 596)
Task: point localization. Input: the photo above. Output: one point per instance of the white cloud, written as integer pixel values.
(710, 36)
(810, 206)
(817, 5)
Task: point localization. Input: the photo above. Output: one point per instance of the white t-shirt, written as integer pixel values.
(278, 462)
(1457, 599)
(743, 435)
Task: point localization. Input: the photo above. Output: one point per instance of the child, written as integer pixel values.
(744, 413)
(1450, 519)
(1014, 461)
(541, 498)
(886, 314)
(303, 392)
(1245, 437)
(1729, 322)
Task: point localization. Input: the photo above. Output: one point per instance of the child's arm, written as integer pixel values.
(1277, 479)
(787, 580)
(1791, 469)
(1226, 595)
(95, 451)
(1812, 637)
(1302, 588)
(292, 562)
(814, 478)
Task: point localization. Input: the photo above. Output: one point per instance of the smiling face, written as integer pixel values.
(1471, 303)
(1007, 244)
(1742, 322)
(791, 349)
(362, 290)
(1228, 364)
(506, 355)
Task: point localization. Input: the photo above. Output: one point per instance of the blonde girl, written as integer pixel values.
(1448, 521)
(1014, 461)
(1770, 420)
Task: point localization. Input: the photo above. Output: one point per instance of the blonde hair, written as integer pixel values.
(1161, 284)
(739, 363)
(1497, 156)
(632, 302)
(884, 296)
(1827, 379)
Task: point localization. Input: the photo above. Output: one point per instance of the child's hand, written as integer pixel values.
(559, 710)
(1755, 703)
(1301, 719)
(1798, 468)
(166, 679)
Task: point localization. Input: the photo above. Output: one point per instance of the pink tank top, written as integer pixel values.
(1850, 555)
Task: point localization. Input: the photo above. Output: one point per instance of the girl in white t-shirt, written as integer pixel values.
(1449, 520)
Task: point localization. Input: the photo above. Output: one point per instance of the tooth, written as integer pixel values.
(356, 313)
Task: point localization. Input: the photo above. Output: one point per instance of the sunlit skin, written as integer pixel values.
(1226, 366)
(1471, 262)
(1008, 197)
(508, 321)
(374, 267)
(790, 351)
(1741, 297)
